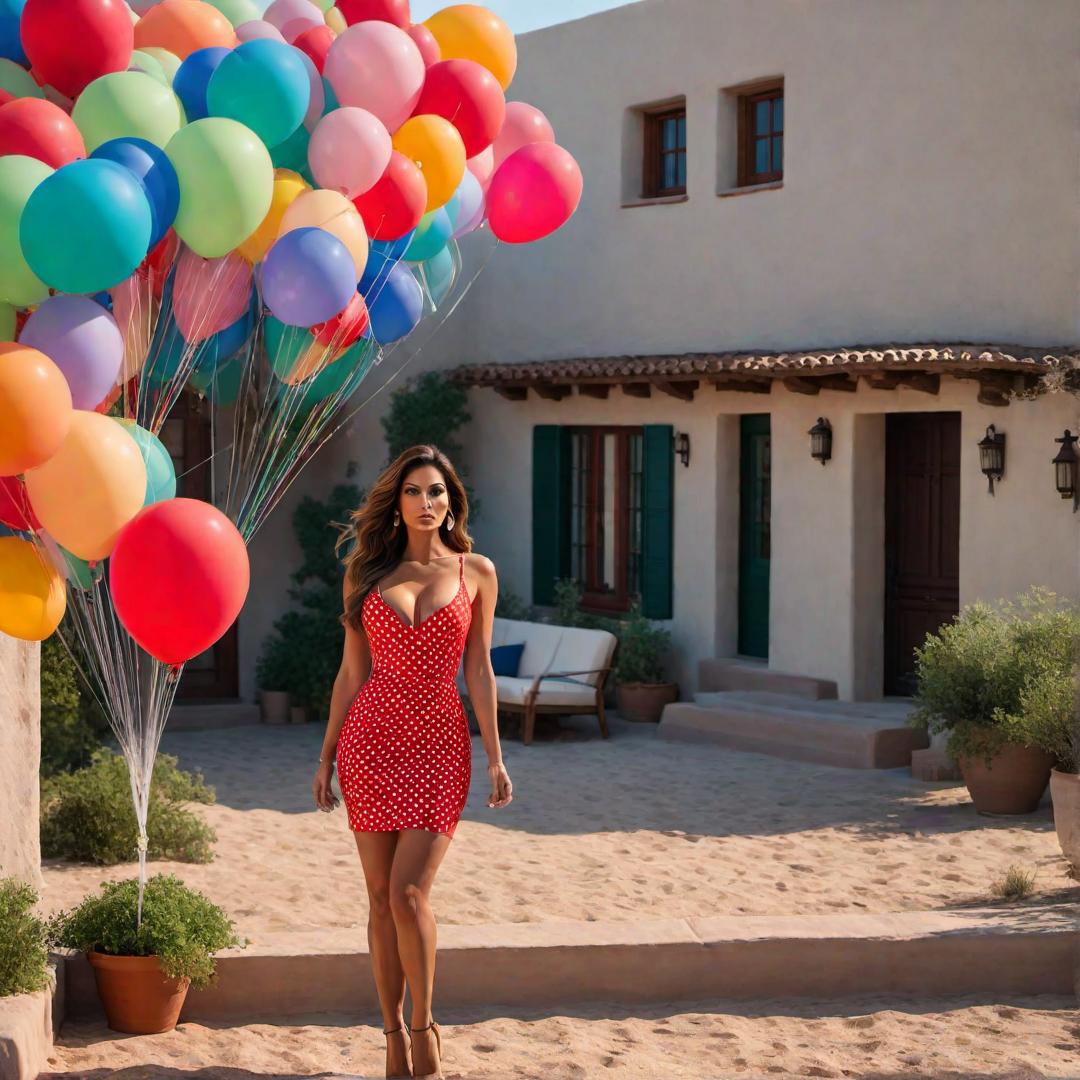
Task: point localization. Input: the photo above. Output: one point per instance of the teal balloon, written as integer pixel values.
(285, 345)
(430, 237)
(439, 273)
(220, 384)
(160, 471)
(292, 153)
(349, 369)
(87, 226)
(78, 571)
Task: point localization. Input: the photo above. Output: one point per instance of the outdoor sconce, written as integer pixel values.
(992, 455)
(1065, 468)
(682, 447)
(821, 440)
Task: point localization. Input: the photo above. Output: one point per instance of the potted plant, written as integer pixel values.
(982, 679)
(272, 675)
(144, 968)
(641, 691)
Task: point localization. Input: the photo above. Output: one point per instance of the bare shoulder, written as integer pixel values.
(482, 570)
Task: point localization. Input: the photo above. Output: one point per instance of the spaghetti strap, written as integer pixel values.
(461, 567)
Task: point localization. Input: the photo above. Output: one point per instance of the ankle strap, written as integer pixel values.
(391, 1031)
(425, 1028)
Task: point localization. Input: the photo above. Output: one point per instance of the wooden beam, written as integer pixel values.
(921, 381)
(683, 389)
(596, 390)
(882, 380)
(636, 389)
(799, 384)
(743, 386)
(550, 391)
(512, 393)
(841, 381)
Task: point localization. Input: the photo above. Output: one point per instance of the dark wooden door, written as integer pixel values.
(755, 542)
(186, 434)
(922, 536)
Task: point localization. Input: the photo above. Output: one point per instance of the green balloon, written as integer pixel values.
(127, 104)
(226, 184)
(324, 5)
(347, 371)
(237, 12)
(19, 176)
(17, 81)
(78, 571)
(7, 322)
(169, 62)
(143, 61)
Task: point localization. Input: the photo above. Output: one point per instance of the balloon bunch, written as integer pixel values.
(252, 201)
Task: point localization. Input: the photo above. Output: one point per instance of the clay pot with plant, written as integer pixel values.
(144, 967)
(641, 688)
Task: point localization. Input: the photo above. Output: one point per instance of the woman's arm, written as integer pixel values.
(479, 676)
(353, 672)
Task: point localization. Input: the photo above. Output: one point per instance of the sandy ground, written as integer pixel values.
(870, 1039)
(612, 829)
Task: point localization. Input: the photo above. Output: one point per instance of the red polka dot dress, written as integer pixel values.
(404, 755)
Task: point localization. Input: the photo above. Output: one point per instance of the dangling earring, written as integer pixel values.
(397, 522)
(449, 521)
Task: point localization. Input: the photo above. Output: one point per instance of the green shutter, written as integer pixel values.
(550, 510)
(657, 504)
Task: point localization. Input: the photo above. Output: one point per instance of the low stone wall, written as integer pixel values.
(20, 756)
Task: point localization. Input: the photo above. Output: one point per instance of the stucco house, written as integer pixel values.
(854, 216)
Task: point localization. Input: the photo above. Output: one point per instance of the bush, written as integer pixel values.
(508, 605)
(179, 925)
(23, 951)
(639, 657)
(72, 725)
(1003, 674)
(89, 816)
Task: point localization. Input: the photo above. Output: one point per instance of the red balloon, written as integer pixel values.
(5, 97)
(391, 11)
(425, 41)
(533, 192)
(72, 42)
(316, 44)
(345, 327)
(179, 576)
(395, 205)
(39, 129)
(469, 96)
(15, 508)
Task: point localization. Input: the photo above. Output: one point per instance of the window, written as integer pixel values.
(761, 136)
(664, 171)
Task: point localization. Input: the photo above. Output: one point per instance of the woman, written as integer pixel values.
(398, 727)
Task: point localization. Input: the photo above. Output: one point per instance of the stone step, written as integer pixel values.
(191, 716)
(743, 674)
(852, 735)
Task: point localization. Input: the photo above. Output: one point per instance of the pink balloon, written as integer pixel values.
(482, 166)
(209, 294)
(258, 28)
(523, 124)
(349, 151)
(376, 66)
(426, 43)
(293, 17)
(533, 192)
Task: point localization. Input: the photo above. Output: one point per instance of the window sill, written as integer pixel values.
(657, 200)
(749, 189)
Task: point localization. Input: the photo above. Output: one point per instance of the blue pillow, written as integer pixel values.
(505, 659)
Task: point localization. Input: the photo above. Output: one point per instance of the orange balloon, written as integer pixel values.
(32, 593)
(182, 26)
(436, 147)
(35, 408)
(288, 186)
(471, 32)
(329, 210)
(91, 487)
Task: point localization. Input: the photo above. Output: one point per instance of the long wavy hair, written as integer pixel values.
(377, 545)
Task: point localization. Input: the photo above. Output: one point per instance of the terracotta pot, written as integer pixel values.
(644, 702)
(298, 714)
(275, 706)
(139, 998)
(1014, 782)
(1065, 793)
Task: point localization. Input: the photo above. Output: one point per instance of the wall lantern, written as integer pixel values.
(1065, 468)
(821, 440)
(682, 447)
(992, 455)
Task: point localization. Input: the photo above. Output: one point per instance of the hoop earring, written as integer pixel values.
(449, 521)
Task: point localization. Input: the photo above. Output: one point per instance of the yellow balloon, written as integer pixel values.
(436, 147)
(32, 593)
(288, 185)
(91, 487)
(336, 21)
(329, 210)
(471, 32)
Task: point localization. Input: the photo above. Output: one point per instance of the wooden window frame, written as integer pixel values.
(651, 170)
(747, 134)
(620, 599)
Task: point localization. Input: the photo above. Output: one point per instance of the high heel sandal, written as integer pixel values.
(393, 1031)
(438, 1044)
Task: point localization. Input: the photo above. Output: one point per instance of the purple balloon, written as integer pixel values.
(83, 340)
(308, 276)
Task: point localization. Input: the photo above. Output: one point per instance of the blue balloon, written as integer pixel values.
(383, 256)
(10, 42)
(396, 308)
(308, 276)
(192, 78)
(430, 236)
(439, 272)
(155, 172)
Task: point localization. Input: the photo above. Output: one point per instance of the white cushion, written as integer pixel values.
(540, 640)
(580, 649)
(512, 691)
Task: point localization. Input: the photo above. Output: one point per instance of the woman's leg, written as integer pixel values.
(416, 860)
(376, 856)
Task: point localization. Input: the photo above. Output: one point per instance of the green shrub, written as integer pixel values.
(641, 650)
(508, 605)
(1003, 674)
(89, 816)
(72, 725)
(179, 925)
(23, 951)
